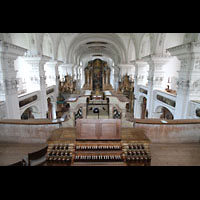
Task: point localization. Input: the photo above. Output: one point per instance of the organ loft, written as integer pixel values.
(99, 99)
(97, 137)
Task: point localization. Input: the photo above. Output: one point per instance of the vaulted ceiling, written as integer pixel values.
(119, 47)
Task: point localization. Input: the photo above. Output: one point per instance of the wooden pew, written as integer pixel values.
(38, 157)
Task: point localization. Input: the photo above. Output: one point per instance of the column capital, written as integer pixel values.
(156, 59)
(37, 59)
(54, 62)
(11, 50)
(125, 65)
(188, 49)
(138, 62)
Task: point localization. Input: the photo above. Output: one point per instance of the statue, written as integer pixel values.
(50, 113)
(67, 86)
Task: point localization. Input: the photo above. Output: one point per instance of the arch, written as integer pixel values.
(47, 46)
(143, 106)
(114, 43)
(165, 112)
(131, 55)
(164, 41)
(19, 39)
(190, 37)
(61, 51)
(33, 48)
(30, 113)
(145, 47)
(26, 40)
(173, 39)
(159, 46)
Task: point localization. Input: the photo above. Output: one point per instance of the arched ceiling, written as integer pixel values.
(121, 48)
(90, 44)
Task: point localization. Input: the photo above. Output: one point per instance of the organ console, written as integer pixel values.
(130, 150)
(87, 153)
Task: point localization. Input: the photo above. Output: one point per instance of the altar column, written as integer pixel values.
(8, 54)
(37, 63)
(188, 81)
(155, 78)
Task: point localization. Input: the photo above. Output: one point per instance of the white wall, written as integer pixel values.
(27, 77)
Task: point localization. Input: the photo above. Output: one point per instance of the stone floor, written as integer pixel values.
(162, 154)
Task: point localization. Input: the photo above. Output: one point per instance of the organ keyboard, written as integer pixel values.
(99, 153)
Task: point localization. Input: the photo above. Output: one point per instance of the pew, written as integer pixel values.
(37, 158)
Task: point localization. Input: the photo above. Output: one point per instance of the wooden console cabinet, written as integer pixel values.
(98, 129)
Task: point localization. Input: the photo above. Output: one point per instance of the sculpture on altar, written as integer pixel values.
(97, 76)
(68, 86)
(126, 84)
(126, 87)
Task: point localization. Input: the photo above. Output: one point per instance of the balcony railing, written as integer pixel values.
(28, 98)
(165, 98)
(143, 89)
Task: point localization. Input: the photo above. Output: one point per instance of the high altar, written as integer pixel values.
(97, 76)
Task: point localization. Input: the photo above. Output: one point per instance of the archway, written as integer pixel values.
(47, 46)
(131, 51)
(164, 113)
(52, 107)
(144, 112)
(61, 51)
(145, 46)
(29, 113)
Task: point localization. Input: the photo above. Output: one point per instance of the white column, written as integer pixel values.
(116, 77)
(78, 83)
(136, 92)
(155, 78)
(189, 77)
(59, 63)
(8, 54)
(127, 69)
(38, 63)
(54, 64)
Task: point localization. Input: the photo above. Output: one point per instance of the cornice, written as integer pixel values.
(37, 58)
(138, 61)
(7, 48)
(154, 58)
(188, 48)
